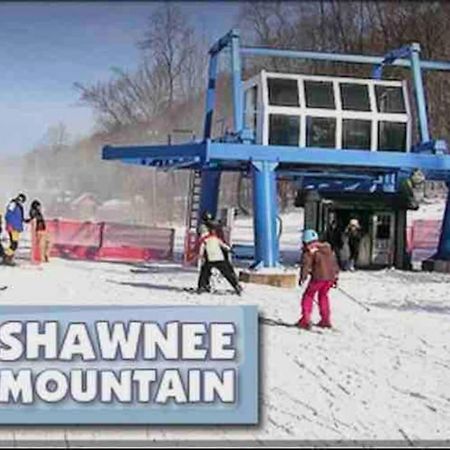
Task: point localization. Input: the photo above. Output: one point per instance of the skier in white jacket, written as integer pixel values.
(212, 254)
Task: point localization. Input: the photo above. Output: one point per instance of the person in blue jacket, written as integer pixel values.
(14, 221)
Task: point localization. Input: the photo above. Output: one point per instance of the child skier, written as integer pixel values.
(319, 261)
(211, 254)
(14, 219)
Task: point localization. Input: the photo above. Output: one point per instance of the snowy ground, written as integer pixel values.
(381, 374)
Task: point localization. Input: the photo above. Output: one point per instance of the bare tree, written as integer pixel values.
(171, 72)
(170, 43)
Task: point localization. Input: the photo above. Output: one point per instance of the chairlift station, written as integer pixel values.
(346, 142)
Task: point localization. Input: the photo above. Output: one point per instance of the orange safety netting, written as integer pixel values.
(106, 241)
(423, 238)
(424, 234)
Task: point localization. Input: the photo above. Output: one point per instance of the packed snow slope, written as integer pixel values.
(382, 373)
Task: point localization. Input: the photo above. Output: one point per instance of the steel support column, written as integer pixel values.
(210, 96)
(265, 210)
(237, 81)
(209, 197)
(444, 240)
(420, 94)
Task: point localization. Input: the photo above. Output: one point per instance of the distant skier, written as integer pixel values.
(203, 284)
(333, 235)
(14, 219)
(211, 254)
(42, 237)
(353, 233)
(319, 262)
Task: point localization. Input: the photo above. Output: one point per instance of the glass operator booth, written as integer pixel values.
(305, 111)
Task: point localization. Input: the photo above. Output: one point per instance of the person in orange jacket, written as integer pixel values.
(318, 262)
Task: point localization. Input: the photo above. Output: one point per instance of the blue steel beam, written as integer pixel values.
(327, 157)
(339, 57)
(164, 164)
(136, 152)
(216, 152)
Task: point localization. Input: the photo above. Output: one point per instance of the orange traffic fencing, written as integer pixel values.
(106, 241)
(423, 238)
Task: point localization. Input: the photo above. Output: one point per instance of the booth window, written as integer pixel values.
(355, 97)
(390, 99)
(319, 94)
(251, 99)
(284, 130)
(392, 136)
(321, 132)
(356, 134)
(283, 92)
(383, 227)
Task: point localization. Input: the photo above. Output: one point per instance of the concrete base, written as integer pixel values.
(436, 265)
(278, 279)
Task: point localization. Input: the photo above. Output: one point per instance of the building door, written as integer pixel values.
(383, 238)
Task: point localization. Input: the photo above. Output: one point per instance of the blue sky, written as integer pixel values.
(47, 46)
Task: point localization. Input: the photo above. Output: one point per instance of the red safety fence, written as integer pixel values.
(423, 238)
(107, 241)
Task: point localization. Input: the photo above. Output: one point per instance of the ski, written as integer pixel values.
(214, 292)
(281, 323)
(190, 290)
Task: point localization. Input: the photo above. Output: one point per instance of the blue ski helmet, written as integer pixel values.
(310, 236)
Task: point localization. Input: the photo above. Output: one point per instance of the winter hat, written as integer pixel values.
(207, 216)
(310, 236)
(354, 223)
(203, 230)
(35, 204)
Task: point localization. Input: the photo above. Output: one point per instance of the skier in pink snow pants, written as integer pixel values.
(319, 261)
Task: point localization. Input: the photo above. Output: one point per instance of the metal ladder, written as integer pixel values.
(192, 216)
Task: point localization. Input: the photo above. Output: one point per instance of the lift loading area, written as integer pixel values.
(339, 135)
(383, 224)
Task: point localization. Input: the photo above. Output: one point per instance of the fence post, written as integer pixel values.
(101, 233)
(172, 244)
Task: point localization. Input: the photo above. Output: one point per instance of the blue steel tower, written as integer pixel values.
(240, 150)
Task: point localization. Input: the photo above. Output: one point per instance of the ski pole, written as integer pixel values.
(353, 299)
